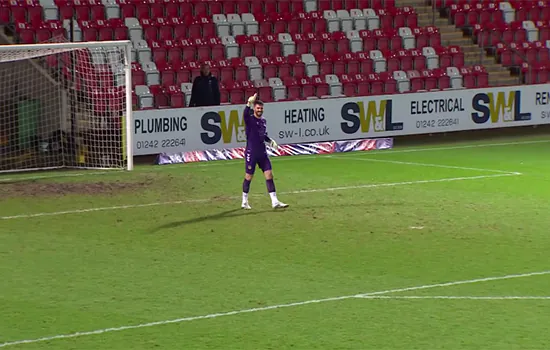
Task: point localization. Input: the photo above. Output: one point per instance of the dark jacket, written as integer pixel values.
(205, 92)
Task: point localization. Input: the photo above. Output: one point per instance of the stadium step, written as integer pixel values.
(452, 36)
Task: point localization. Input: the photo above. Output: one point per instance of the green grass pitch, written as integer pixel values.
(449, 243)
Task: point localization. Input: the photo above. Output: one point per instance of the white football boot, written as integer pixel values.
(279, 204)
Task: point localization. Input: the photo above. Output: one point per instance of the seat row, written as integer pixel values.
(320, 86)
(166, 72)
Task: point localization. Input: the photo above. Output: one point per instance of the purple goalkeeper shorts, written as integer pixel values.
(252, 160)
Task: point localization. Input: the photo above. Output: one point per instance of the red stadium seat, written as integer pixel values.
(248, 87)
(241, 70)
(43, 33)
(366, 63)
(349, 87)
(25, 33)
(406, 59)
(97, 12)
(417, 80)
(177, 99)
(430, 80)
(284, 67)
(236, 93)
(544, 30)
(269, 67)
(265, 92)
(307, 87)
(341, 42)
(167, 74)
(457, 56)
(393, 61)
(246, 47)
(186, 72)
(302, 44)
(382, 39)
(321, 86)
(363, 85)
(443, 80)
(293, 89)
(160, 96)
(481, 75)
(226, 70)
(298, 67)
(468, 78)
(138, 75)
(326, 65)
(376, 84)
(390, 84)
(543, 52)
(89, 30)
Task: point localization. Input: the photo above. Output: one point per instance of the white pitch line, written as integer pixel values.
(368, 159)
(266, 308)
(52, 176)
(453, 297)
(286, 158)
(465, 146)
(206, 200)
(457, 283)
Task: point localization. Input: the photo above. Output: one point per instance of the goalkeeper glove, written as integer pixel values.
(274, 144)
(251, 100)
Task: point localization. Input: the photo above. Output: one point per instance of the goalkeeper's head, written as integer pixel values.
(258, 108)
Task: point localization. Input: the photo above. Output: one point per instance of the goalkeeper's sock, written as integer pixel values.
(271, 189)
(246, 189)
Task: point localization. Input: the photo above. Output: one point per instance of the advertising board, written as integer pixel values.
(204, 128)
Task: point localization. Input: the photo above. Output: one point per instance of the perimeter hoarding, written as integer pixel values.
(205, 128)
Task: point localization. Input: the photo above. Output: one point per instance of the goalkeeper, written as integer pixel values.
(256, 152)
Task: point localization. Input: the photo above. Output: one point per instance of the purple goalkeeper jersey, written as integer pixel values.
(256, 132)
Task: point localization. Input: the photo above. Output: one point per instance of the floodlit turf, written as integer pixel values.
(362, 222)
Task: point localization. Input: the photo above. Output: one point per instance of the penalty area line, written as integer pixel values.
(455, 297)
(267, 308)
(369, 159)
(207, 200)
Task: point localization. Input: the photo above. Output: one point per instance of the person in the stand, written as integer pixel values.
(206, 91)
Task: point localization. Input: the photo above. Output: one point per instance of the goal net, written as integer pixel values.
(65, 105)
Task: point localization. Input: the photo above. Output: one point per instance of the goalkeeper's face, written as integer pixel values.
(258, 110)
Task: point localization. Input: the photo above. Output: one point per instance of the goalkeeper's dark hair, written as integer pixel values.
(259, 103)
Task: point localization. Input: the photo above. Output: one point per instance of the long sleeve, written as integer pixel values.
(247, 114)
(216, 93)
(193, 101)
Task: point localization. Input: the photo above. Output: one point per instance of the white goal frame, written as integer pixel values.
(41, 50)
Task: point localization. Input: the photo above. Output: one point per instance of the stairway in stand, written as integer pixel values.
(452, 36)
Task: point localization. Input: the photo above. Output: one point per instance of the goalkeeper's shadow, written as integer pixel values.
(233, 213)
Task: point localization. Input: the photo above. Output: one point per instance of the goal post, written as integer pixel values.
(66, 105)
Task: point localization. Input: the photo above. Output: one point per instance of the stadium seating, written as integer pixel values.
(291, 49)
(516, 31)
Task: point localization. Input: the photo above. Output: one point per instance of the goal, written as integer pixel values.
(66, 105)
